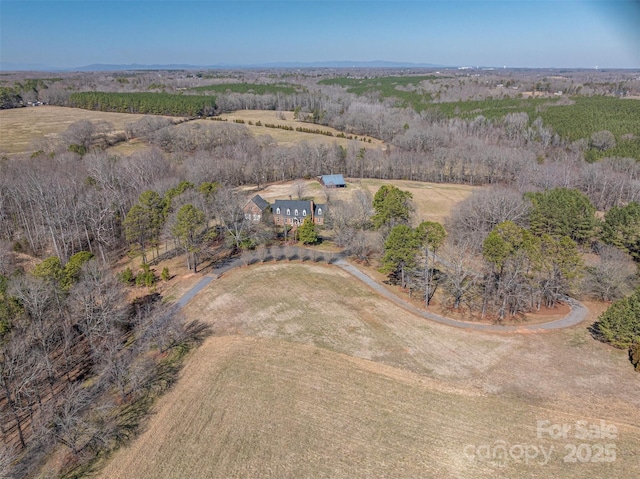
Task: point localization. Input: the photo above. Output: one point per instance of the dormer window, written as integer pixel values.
(288, 212)
(319, 211)
(304, 212)
(296, 213)
(277, 211)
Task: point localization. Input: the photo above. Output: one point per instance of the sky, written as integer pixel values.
(512, 33)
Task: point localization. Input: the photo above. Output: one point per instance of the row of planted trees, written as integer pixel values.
(145, 103)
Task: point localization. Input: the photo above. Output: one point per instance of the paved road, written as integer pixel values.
(578, 310)
(577, 314)
(204, 282)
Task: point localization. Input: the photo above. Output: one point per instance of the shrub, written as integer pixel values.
(146, 277)
(127, 276)
(79, 149)
(165, 274)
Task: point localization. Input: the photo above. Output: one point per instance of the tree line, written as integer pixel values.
(145, 103)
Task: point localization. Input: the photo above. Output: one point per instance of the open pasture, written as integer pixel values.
(22, 128)
(309, 373)
(287, 137)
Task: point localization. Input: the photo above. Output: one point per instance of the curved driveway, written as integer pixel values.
(577, 314)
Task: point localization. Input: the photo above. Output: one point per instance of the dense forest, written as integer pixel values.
(559, 216)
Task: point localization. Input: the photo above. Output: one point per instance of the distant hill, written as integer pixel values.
(348, 64)
(98, 67)
(33, 67)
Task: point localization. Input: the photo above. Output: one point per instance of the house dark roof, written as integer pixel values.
(335, 180)
(287, 208)
(260, 202)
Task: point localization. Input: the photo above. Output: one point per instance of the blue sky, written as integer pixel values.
(539, 33)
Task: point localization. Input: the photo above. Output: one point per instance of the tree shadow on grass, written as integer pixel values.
(131, 418)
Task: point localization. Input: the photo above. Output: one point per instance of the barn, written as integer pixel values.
(333, 181)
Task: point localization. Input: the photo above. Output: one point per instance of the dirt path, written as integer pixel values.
(577, 314)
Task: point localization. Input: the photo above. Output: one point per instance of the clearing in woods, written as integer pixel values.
(309, 373)
(432, 201)
(21, 128)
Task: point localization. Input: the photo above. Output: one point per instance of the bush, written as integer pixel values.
(165, 274)
(127, 276)
(79, 149)
(146, 277)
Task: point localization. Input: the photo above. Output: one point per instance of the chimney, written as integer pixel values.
(289, 197)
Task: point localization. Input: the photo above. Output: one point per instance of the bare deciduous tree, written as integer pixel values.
(69, 424)
(460, 279)
(611, 276)
(474, 217)
(8, 456)
(98, 303)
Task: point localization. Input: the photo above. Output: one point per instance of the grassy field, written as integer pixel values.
(21, 128)
(317, 376)
(288, 138)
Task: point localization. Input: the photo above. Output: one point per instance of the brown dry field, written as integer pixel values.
(21, 127)
(289, 138)
(309, 373)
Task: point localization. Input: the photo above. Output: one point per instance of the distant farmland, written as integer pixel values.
(21, 128)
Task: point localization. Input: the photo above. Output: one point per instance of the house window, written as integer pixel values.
(296, 213)
(247, 216)
(319, 211)
(288, 212)
(304, 212)
(277, 211)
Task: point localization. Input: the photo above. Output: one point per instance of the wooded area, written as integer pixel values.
(559, 216)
